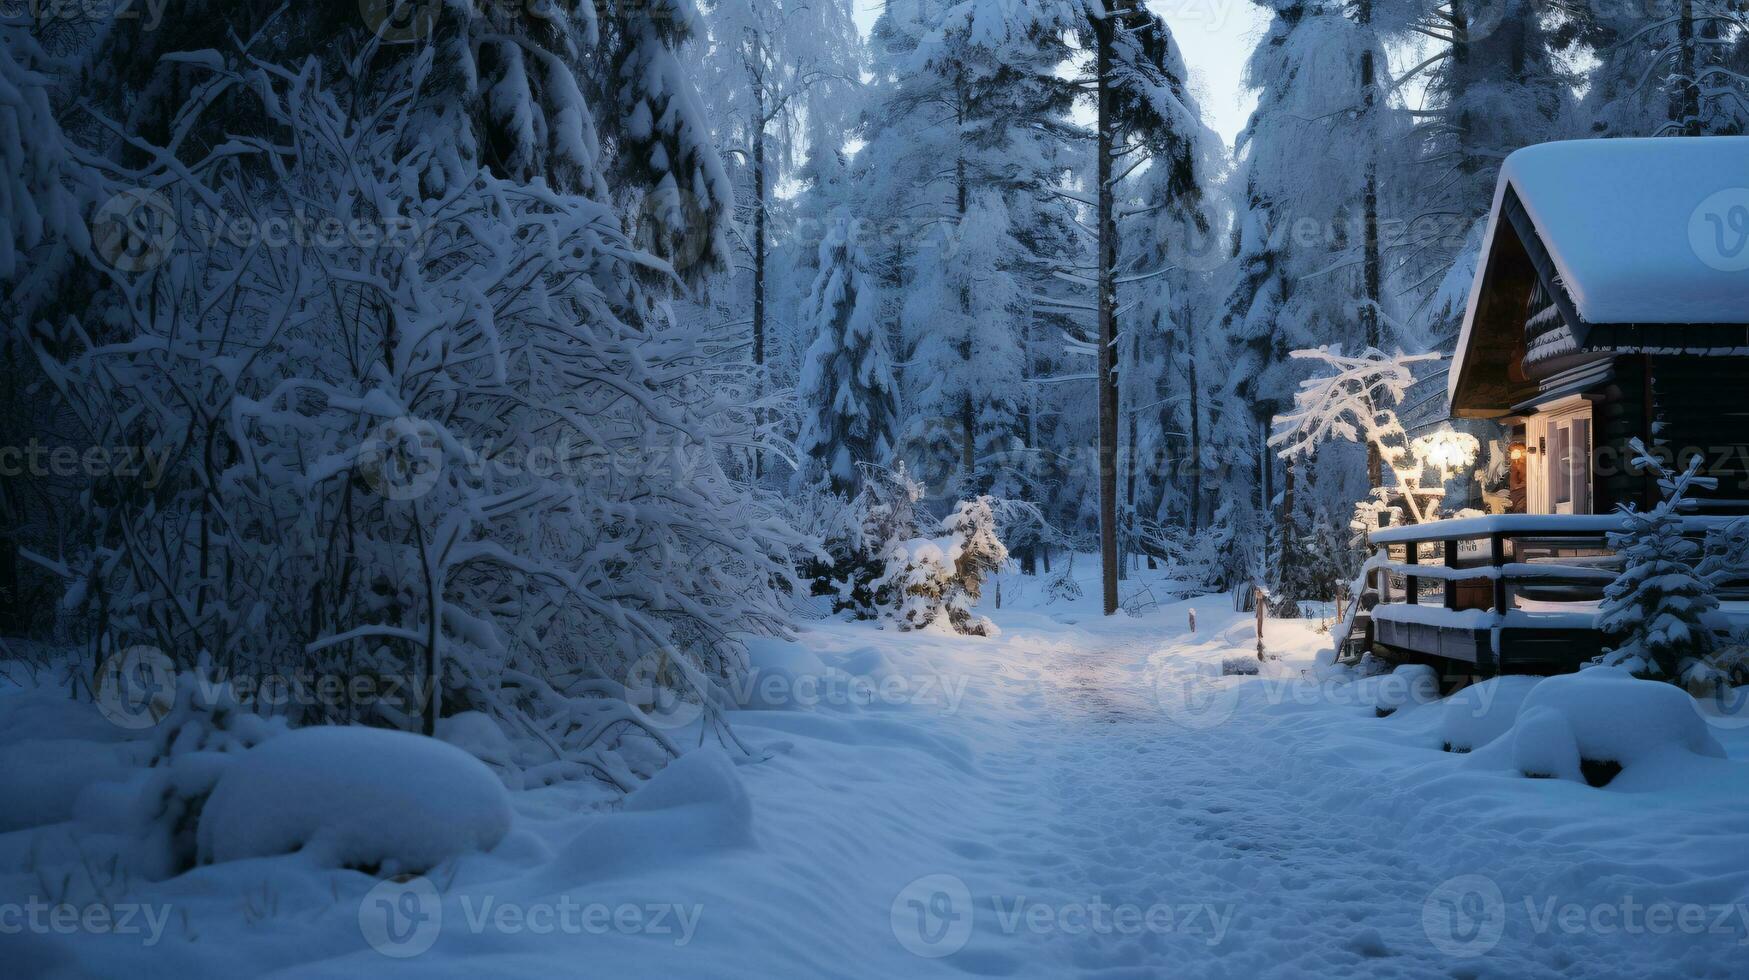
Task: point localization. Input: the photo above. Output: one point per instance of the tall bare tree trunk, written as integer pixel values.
(759, 208)
(1107, 380)
(1369, 316)
(1688, 98)
(1194, 521)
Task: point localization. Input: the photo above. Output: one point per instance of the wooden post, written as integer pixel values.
(1451, 560)
(1262, 604)
(1412, 583)
(1498, 557)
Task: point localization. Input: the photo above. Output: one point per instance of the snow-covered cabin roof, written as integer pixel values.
(1634, 233)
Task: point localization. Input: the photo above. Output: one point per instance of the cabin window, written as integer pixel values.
(1560, 460)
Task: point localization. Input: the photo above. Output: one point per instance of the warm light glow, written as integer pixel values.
(1446, 450)
(1517, 451)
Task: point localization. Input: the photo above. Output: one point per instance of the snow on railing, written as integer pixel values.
(1496, 556)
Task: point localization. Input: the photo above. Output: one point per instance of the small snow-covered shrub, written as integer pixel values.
(1482, 712)
(1601, 716)
(1241, 666)
(856, 537)
(1406, 686)
(153, 814)
(1655, 607)
(366, 798)
(478, 734)
(1062, 586)
(942, 578)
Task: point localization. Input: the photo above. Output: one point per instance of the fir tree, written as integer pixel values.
(1656, 606)
(847, 389)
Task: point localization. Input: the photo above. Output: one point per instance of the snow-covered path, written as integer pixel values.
(1089, 824)
(1043, 804)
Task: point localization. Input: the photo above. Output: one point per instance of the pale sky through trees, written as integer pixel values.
(1216, 37)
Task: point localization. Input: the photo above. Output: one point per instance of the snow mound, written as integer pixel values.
(355, 797)
(1543, 745)
(1601, 716)
(696, 806)
(1407, 686)
(1621, 718)
(475, 733)
(701, 778)
(1481, 713)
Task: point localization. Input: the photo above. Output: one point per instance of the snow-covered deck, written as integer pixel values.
(1514, 591)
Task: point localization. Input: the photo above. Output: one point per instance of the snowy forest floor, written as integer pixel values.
(1043, 803)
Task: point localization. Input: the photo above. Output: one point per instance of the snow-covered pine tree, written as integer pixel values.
(1657, 605)
(1174, 248)
(847, 393)
(664, 157)
(1676, 70)
(1495, 82)
(960, 319)
(772, 70)
(967, 107)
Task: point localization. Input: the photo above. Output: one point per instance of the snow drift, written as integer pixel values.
(355, 797)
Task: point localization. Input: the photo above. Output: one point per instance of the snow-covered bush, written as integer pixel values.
(1581, 726)
(1725, 555)
(941, 578)
(382, 801)
(454, 449)
(203, 735)
(1655, 607)
(1241, 666)
(856, 537)
(1062, 586)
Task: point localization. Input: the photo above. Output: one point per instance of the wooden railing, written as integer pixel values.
(1483, 562)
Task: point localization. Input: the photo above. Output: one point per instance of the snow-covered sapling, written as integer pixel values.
(936, 578)
(1655, 608)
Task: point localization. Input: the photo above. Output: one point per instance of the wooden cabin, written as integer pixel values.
(1611, 302)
